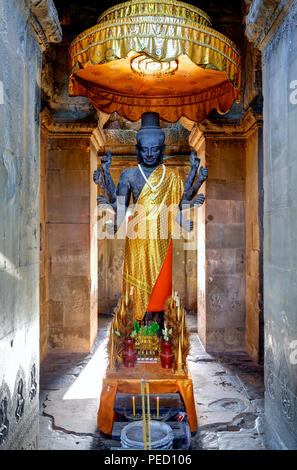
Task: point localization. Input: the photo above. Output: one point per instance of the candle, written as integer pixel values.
(143, 414)
(148, 414)
(111, 350)
(127, 296)
(158, 403)
(133, 404)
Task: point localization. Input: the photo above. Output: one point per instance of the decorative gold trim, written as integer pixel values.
(155, 7)
(159, 21)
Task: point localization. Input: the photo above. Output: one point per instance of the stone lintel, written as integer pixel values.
(98, 140)
(64, 129)
(187, 123)
(45, 22)
(196, 137)
(264, 18)
(226, 128)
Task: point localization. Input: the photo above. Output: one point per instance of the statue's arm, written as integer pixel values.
(105, 204)
(109, 183)
(120, 204)
(186, 224)
(203, 175)
(98, 179)
(190, 191)
(192, 188)
(195, 162)
(123, 194)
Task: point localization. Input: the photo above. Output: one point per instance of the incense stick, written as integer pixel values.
(143, 415)
(148, 414)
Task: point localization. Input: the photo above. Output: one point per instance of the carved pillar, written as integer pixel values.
(71, 227)
(97, 145)
(223, 300)
(222, 251)
(254, 236)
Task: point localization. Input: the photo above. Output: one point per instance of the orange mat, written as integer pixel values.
(128, 381)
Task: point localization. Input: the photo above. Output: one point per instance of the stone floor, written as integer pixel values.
(228, 395)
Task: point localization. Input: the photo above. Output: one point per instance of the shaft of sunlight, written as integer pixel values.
(9, 267)
(88, 384)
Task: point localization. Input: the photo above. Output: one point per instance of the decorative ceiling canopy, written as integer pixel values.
(155, 55)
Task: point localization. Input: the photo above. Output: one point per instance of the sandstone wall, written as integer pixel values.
(225, 245)
(280, 229)
(44, 323)
(20, 59)
(72, 313)
(230, 150)
(254, 242)
(271, 25)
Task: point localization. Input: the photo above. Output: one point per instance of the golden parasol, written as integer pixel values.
(155, 55)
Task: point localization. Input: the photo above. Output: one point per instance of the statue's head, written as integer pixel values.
(150, 146)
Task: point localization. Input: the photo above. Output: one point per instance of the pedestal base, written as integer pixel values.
(128, 381)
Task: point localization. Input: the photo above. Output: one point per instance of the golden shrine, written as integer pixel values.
(157, 58)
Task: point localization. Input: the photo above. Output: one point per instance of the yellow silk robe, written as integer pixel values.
(145, 253)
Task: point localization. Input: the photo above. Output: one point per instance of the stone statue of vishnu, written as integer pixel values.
(147, 270)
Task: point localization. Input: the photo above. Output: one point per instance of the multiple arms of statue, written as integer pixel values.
(120, 195)
(107, 183)
(191, 189)
(124, 191)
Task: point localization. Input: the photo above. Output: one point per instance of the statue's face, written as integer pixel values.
(150, 149)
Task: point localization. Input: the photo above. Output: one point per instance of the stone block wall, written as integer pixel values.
(43, 287)
(271, 25)
(254, 242)
(229, 149)
(225, 244)
(71, 312)
(20, 69)
(280, 233)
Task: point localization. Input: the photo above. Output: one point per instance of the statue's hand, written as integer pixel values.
(194, 160)
(106, 161)
(199, 200)
(188, 225)
(203, 174)
(103, 203)
(110, 228)
(97, 176)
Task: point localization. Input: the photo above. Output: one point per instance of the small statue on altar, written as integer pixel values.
(147, 271)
